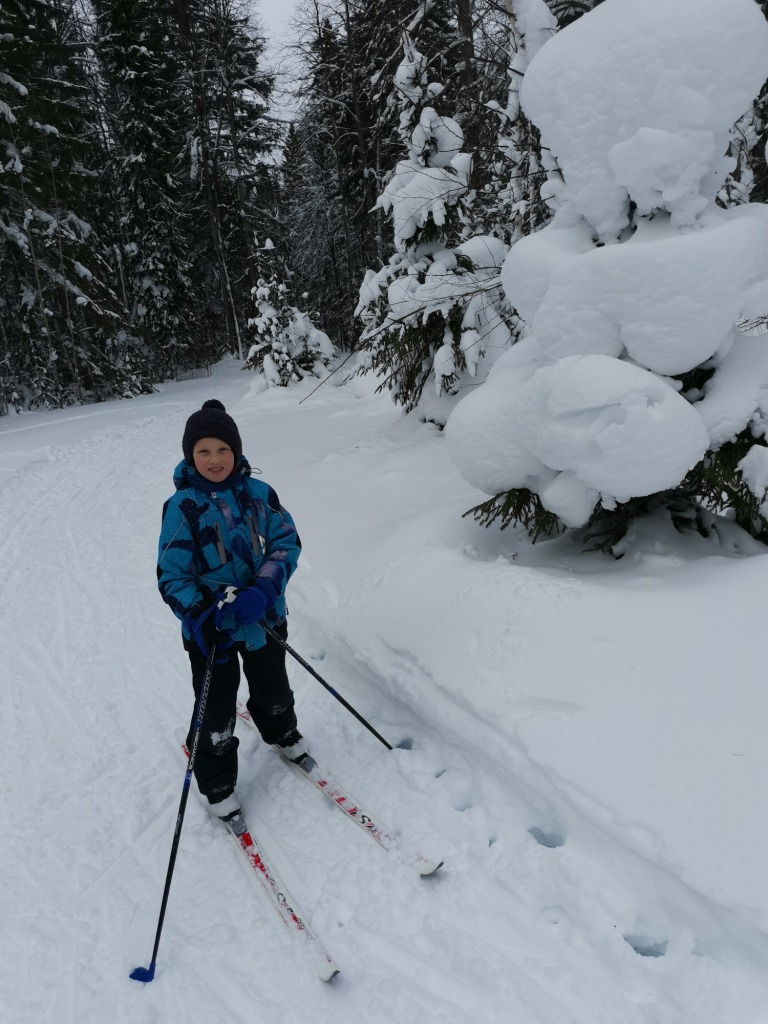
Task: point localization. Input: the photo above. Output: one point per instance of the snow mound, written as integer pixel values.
(636, 92)
(667, 299)
(573, 430)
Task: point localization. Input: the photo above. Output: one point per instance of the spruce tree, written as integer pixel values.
(224, 175)
(60, 321)
(312, 239)
(568, 11)
(140, 62)
(287, 345)
(324, 209)
(379, 33)
(523, 191)
(731, 431)
(434, 308)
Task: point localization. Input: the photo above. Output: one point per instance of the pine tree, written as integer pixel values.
(433, 28)
(748, 182)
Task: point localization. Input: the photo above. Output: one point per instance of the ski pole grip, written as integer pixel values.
(230, 593)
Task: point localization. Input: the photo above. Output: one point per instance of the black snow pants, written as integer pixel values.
(270, 704)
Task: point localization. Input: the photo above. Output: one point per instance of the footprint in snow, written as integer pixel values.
(457, 788)
(644, 945)
(549, 839)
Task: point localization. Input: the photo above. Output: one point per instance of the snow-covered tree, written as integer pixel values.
(522, 193)
(632, 380)
(60, 323)
(140, 62)
(348, 141)
(748, 181)
(225, 92)
(432, 309)
(568, 11)
(288, 346)
(327, 194)
(311, 227)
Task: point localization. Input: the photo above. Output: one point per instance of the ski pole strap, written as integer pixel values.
(276, 636)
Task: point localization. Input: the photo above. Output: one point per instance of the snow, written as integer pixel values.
(576, 429)
(587, 744)
(409, 74)
(636, 101)
(668, 299)
(415, 194)
(436, 172)
(537, 25)
(639, 90)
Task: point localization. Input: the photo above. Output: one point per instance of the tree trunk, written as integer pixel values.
(470, 122)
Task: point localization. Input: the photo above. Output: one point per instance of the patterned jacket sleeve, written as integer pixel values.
(176, 572)
(282, 545)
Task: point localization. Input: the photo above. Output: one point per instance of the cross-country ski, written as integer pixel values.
(308, 768)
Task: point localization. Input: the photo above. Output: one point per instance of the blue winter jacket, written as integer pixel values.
(219, 534)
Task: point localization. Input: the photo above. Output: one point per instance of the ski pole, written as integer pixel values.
(146, 974)
(230, 593)
(329, 688)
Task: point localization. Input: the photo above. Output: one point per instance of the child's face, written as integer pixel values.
(213, 459)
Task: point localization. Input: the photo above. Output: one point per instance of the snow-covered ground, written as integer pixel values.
(588, 747)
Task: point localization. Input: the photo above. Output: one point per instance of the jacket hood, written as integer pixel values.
(187, 476)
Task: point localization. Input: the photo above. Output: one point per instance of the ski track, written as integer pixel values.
(469, 775)
(70, 537)
(98, 684)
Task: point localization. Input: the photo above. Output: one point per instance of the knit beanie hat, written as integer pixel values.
(211, 421)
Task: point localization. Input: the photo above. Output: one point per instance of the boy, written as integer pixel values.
(224, 528)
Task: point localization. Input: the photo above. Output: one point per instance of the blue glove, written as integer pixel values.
(203, 625)
(252, 603)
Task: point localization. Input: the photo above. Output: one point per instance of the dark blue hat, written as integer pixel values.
(211, 421)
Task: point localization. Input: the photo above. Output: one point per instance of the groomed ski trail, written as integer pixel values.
(527, 920)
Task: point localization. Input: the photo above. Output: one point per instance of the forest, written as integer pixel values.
(160, 209)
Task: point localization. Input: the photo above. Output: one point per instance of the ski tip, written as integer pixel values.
(427, 868)
(328, 971)
(144, 974)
